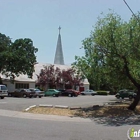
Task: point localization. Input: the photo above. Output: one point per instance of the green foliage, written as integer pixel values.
(102, 92)
(112, 53)
(17, 57)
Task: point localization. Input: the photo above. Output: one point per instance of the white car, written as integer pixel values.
(38, 92)
(3, 91)
(89, 92)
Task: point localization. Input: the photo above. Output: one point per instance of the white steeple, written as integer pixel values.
(59, 52)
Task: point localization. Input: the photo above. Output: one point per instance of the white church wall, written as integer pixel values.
(10, 86)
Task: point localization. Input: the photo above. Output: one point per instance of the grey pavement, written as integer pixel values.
(19, 104)
(26, 126)
(25, 115)
(16, 124)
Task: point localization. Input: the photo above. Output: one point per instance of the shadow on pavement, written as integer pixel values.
(111, 115)
(118, 121)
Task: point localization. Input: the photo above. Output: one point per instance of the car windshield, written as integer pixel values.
(37, 90)
(3, 87)
(28, 90)
(55, 90)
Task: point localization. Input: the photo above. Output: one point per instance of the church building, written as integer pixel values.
(24, 82)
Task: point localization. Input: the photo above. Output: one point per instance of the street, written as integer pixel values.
(14, 128)
(18, 125)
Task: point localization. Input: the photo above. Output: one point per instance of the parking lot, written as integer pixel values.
(19, 104)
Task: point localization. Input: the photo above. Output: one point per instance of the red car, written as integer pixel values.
(69, 92)
(75, 91)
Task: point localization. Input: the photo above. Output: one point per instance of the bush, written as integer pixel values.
(102, 92)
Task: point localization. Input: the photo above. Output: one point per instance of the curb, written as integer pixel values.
(61, 106)
(30, 107)
(45, 105)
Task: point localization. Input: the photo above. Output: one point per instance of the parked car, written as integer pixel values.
(22, 93)
(38, 92)
(89, 92)
(125, 93)
(3, 91)
(69, 92)
(52, 92)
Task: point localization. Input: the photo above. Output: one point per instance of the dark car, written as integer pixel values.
(38, 92)
(125, 93)
(69, 92)
(22, 93)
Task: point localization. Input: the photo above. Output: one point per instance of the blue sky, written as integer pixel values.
(40, 19)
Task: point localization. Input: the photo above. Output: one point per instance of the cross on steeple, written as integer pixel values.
(59, 29)
(59, 59)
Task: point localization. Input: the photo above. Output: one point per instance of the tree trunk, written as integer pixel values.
(135, 102)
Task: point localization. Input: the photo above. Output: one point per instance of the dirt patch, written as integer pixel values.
(99, 111)
(52, 111)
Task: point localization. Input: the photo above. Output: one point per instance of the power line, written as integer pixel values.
(130, 9)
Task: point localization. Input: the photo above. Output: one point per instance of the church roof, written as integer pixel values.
(38, 67)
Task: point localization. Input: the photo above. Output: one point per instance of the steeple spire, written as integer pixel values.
(59, 52)
(59, 29)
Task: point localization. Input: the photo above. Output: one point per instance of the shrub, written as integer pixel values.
(102, 92)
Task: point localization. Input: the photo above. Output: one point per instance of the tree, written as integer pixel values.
(17, 57)
(88, 65)
(70, 78)
(51, 77)
(115, 52)
(5, 43)
(47, 77)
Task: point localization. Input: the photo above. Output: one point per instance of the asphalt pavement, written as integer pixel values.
(25, 126)
(16, 124)
(20, 104)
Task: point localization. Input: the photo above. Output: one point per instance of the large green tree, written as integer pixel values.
(112, 53)
(17, 57)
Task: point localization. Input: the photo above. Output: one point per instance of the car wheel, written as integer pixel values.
(9, 94)
(118, 97)
(70, 95)
(92, 94)
(2, 97)
(54, 95)
(40, 96)
(24, 95)
(130, 97)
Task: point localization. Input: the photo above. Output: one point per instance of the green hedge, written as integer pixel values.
(102, 92)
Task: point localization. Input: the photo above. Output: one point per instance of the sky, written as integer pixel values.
(39, 20)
